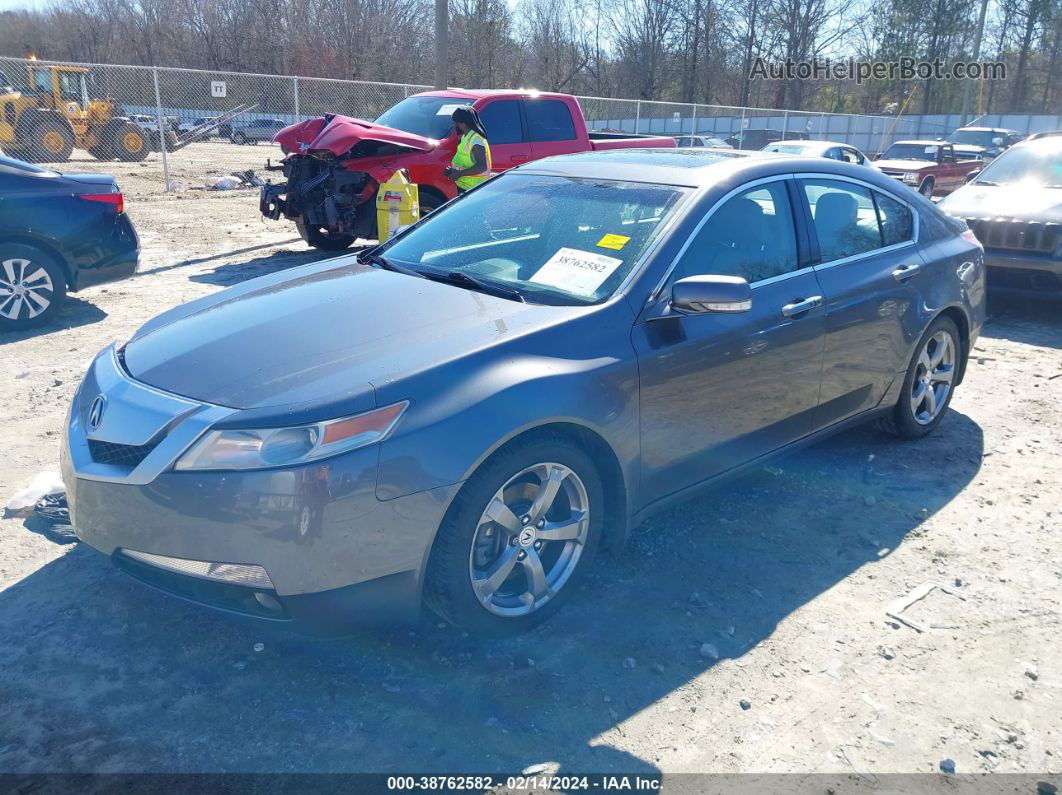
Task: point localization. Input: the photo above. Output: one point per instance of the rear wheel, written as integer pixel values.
(929, 383)
(519, 537)
(926, 188)
(319, 237)
(129, 143)
(239, 138)
(50, 141)
(32, 285)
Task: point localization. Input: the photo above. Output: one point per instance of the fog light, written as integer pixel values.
(236, 573)
(268, 601)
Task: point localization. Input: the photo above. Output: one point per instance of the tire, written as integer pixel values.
(468, 544)
(239, 138)
(430, 202)
(909, 419)
(129, 143)
(320, 239)
(50, 140)
(926, 188)
(42, 280)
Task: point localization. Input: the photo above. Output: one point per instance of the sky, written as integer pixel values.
(7, 5)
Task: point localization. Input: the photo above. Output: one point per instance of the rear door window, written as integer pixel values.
(895, 219)
(549, 120)
(844, 217)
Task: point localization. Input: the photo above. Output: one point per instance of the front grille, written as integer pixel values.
(121, 455)
(1016, 235)
(1023, 279)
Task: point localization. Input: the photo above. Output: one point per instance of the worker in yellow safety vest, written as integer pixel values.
(471, 164)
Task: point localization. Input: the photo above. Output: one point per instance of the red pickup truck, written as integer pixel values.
(335, 164)
(931, 167)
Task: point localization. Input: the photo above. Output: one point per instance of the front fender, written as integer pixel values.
(464, 418)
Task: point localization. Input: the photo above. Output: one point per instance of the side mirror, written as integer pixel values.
(696, 295)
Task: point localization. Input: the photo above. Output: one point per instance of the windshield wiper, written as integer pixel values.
(988, 182)
(464, 280)
(381, 261)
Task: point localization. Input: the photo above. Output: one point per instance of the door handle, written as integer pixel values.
(519, 159)
(905, 272)
(801, 306)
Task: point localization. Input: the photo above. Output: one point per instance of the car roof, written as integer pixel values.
(1047, 142)
(990, 129)
(475, 94)
(818, 146)
(692, 167)
(922, 142)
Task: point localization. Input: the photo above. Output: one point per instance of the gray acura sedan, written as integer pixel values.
(464, 415)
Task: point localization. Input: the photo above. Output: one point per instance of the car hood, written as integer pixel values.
(904, 165)
(320, 335)
(1017, 201)
(339, 134)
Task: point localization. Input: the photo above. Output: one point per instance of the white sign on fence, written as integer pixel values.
(218, 88)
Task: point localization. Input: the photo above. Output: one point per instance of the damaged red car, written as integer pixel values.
(335, 164)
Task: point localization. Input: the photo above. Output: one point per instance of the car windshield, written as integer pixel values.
(911, 152)
(426, 116)
(555, 240)
(974, 137)
(1035, 166)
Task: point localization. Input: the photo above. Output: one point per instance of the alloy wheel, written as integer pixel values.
(933, 378)
(26, 289)
(529, 539)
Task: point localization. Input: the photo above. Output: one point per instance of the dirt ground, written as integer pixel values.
(742, 631)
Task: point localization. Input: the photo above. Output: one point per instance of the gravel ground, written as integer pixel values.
(742, 631)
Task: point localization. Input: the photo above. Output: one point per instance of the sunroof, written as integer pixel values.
(673, 158)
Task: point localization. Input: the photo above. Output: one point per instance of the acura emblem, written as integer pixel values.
(95, 416)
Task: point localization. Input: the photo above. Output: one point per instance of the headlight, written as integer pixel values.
(270, 447)
(911, 178)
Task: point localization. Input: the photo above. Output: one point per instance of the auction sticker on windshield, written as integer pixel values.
(613, 241)
(577, 272)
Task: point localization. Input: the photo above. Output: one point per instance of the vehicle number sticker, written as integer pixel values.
(577, 272)
(613, 241)
(448, 110)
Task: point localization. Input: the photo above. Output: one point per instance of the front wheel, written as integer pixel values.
(518, 539)
(239, 138)
(929, 383)
(32, 286)
(319, 237)
(926, 188)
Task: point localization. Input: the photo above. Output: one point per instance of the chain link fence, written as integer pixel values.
(735, 125)
(186, 124)
(189, 126)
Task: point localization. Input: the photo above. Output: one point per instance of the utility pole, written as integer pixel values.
(442, 43)
(976, 56)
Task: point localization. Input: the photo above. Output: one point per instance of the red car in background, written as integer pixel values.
(931, 167)
(336, 163)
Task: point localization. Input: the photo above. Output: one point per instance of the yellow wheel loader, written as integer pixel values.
(51, 115)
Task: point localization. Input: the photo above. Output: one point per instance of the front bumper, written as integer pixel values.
(336, 556)
(1024, 273)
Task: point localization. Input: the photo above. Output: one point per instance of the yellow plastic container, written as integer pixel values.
(397, 204)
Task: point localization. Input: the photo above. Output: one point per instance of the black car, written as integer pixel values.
(58, 232)
(1014, 206)
(757, 139)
